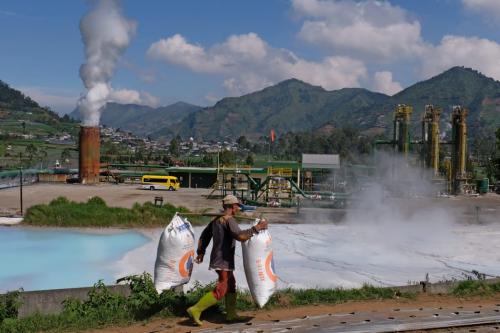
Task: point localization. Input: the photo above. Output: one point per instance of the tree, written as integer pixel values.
(109, 152)
(243, 142)
(67, 119)
(31, 151)
(139, 155)
(483, 147)
(249, 160)
(174, 148)
(65, 155)
(207, 160)
(497, 134)
(227, 157)
(42, 155)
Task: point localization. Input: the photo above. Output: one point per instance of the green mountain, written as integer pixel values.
(20, 114)
(140, 119)
(293, 105)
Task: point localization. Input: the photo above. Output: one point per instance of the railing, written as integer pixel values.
(280, 172)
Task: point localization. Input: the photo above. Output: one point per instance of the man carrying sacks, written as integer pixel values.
(224, 231)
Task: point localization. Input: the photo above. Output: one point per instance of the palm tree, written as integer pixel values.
(42, 155)
(65, 155)
(31, 151)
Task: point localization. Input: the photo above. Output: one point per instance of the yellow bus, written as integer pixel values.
(157, 182)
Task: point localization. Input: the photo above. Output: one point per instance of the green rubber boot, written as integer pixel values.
(204, 303)
(231, 314)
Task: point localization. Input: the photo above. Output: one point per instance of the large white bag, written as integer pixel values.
(174, 259)
(259, 266)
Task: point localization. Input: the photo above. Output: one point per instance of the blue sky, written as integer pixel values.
(202, 51)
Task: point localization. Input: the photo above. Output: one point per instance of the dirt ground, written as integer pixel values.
(475, 209)
(388, 308)
(122, 195)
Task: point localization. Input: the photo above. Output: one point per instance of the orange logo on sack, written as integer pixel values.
(186, 264)
(270, 267)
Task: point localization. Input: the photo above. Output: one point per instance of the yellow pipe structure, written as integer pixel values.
(449, 176)
(430, 138)
(459, 156)
(401, 136)
(435, 140)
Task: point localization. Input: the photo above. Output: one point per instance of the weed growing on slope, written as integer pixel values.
(103, 307)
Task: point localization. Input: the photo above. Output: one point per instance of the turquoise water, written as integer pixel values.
(36, 259)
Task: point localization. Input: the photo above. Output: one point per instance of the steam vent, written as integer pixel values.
(89, 155)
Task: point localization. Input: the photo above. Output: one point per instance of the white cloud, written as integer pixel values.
(128, 96)
(125, 96)
(478, 53)
(358, 35)
(384, 83)
(249, 46)
(331, 73)
(486, 7)
(178, 51)
(368, 29)
(248, 63)
(220, 58)
(60, 102)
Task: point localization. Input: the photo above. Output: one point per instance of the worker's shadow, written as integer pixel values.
(215, 316)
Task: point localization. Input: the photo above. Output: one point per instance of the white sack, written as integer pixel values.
(259, 266)
(174, 259)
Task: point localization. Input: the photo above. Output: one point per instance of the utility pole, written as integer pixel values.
(21, 182)
(218, 152)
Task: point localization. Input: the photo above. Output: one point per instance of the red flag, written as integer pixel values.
(273, 135)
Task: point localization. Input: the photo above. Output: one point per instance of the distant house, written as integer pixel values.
(319, 171)
(320, 161)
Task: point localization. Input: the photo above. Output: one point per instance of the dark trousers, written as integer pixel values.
(225, 284)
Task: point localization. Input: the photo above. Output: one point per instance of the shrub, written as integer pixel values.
(9, 305)
(95, 213)
(97, 201)
(476, 287)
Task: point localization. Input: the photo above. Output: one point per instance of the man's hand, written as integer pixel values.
(261, 225)
(199, 259)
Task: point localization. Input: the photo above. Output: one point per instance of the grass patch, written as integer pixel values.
(61, 212)
(104, 308)
(476, 288)
(334, 296)
(301, 297)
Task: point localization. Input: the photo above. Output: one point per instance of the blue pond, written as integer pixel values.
(36, 259)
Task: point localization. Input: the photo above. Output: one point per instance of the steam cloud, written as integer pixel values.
(105, 34)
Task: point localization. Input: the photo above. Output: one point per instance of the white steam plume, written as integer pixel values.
(105, 34)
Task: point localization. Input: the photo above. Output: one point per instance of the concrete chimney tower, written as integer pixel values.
(89, 163)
